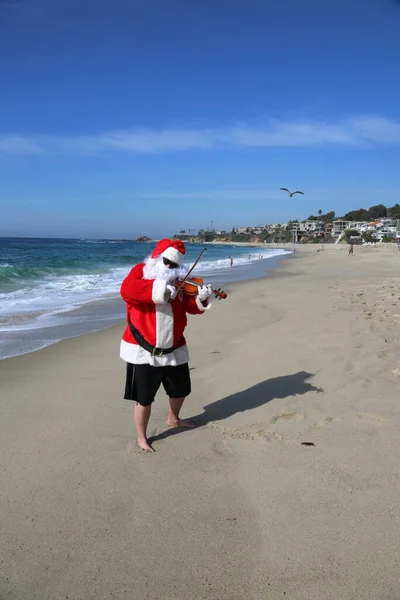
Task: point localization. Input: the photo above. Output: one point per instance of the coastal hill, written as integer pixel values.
(359, 226)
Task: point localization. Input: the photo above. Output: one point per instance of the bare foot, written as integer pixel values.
(144, 445)
(181, 423)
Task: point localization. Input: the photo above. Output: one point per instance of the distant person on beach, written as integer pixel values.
(351, 249)
(153, 345)
(249, 256)
(231, 261)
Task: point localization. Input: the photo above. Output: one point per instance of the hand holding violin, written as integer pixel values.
(170, 292)
(196, 286)
(204, 292)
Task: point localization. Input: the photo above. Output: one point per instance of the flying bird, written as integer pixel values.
(292, 193)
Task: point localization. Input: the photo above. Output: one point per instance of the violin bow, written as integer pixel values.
(191, 269)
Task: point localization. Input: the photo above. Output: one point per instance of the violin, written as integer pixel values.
(190, 287)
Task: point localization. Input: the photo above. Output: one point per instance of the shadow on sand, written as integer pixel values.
(271, 389)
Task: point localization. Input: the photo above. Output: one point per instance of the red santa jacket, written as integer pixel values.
(161, 323)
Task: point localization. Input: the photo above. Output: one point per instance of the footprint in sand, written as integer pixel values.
(251, 433)
(326, 422)
(373, 419)
(258, 435)
(294, 416)
(222, 448)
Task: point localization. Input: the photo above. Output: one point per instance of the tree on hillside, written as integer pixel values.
(328, 217)
(357, 215)
(394, 212)
(377, 212)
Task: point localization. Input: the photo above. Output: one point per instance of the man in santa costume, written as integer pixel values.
(153, 344)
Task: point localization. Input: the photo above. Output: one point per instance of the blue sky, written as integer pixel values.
(144, 117)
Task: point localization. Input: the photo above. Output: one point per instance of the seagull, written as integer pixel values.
(292, 193)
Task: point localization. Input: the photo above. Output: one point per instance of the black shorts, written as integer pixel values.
(143, 381)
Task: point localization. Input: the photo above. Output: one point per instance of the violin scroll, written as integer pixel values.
(220, 294)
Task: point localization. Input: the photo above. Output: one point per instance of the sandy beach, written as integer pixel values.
(238, 508)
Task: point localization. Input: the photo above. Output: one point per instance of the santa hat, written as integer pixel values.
(173, 250)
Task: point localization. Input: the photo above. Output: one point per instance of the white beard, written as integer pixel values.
(154, 268)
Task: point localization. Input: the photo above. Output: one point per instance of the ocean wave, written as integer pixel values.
(55, 290)
(222, 263)
(10, 274)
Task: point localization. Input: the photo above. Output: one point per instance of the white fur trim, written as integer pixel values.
(164, 326)
(201, 305)
(158, 291)
(137, 355)
(173, 255)
(154, 268)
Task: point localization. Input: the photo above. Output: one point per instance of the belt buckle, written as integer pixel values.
(157, 351)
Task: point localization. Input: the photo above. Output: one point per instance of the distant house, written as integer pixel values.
(379, 229)
(307, 228)
(360, 226)
(387, 228)
(339, 227)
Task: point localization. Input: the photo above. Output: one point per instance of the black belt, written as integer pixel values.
(154, 351)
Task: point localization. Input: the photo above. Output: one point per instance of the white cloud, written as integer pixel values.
(363, 131)
(377, 130)
(19, 144)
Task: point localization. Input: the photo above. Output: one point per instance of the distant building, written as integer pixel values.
(339, 227)
(379, 229)
(309, 228)
(256, 229)
(387, 228)
(358, 225)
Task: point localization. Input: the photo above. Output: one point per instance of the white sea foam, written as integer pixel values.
(56, 295)
(240, 260)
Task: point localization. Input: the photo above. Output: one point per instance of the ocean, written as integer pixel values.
(51, 289)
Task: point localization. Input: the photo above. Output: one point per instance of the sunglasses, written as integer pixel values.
(170, 264)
